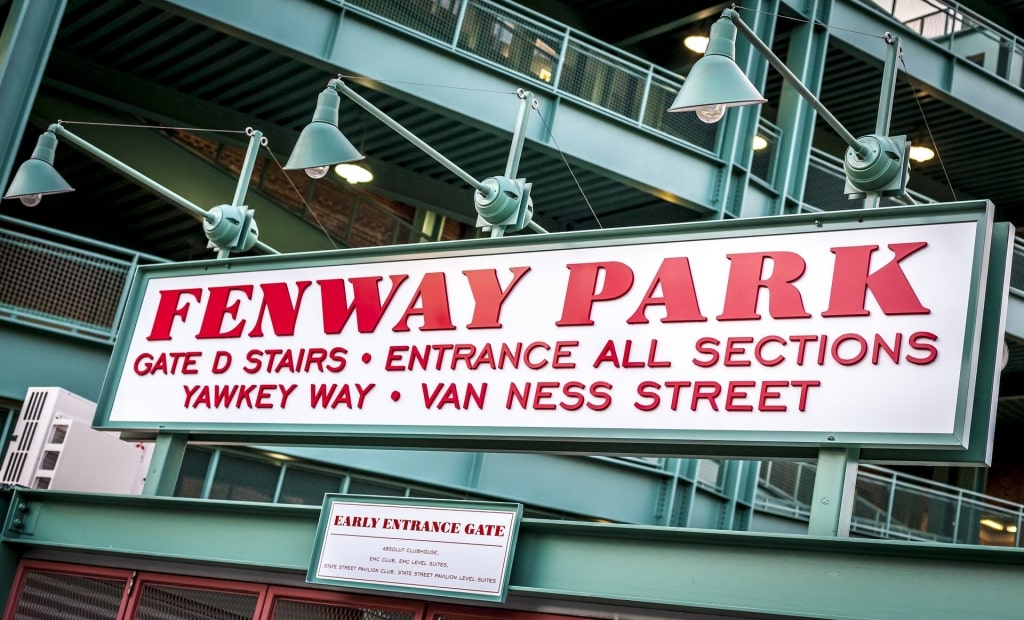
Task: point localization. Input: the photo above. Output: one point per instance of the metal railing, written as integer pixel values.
(963, 32)
(62, 282)
(893, 505)
(552, 57)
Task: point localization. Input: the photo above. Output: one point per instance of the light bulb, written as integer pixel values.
(317, 172)
(31, 200)
(711, 113)
(353, 173)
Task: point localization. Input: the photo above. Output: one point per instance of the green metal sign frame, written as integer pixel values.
(453, 548)
(969, 443)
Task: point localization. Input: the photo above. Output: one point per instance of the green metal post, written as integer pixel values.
(256, 140)
(25, 43)
(893, 51)
(515, 152)
(834, 486)
(165, 466)
(737, 129)
(806, 58)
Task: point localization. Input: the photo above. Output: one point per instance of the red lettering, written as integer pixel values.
(489, 296)
(366, 304)
(581, 291)
(218, 307)
(733, 348)
(430, 301)
(916, 342)
(737, 391)
(861, 351)
(702, 346)
(167, 309)
(775, 361)
(678, 294)
(889, 285)
(746, 280)
(767, 393)
(277, 302)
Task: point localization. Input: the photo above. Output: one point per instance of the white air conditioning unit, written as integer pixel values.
(55, 447)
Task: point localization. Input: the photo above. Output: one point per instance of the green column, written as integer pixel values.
(165, 466)
(806, 59)
(835, 483)
(25, 44)
(735, 136)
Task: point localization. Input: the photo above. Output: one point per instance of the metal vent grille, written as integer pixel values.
(58, 596)
(163, 602)
(29, 420)
(285, 609)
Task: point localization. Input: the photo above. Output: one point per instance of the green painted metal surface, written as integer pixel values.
(806, 59)
(154, 156)
(33, 357)
(325, 35)
(25, 42)
(965, 84)
(165, 464)
(799, 576)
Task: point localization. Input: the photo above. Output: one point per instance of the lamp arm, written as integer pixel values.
(128, 171)
(165, 193)
(795, 82)
(343, 88)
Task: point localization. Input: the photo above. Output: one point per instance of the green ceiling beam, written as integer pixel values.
(681, 569)
(959, 82)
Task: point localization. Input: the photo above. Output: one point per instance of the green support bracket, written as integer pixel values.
(165, 466)
(834, 486)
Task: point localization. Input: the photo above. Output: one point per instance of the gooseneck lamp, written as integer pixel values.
(502, 202)
(228, 228)
(875, 165)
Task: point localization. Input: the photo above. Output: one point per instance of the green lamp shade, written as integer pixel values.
(715, 80)
(321, 143)
(37, 175)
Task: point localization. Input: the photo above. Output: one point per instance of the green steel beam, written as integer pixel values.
(806, 59)
(321, 34)
(48, 358)
(675, 569)
(25, 43)
(959, 82)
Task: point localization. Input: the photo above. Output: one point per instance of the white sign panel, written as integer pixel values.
(813, 336)
(449, 550)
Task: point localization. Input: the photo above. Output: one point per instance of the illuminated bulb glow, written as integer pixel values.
(760, 143)
(992, 523)
(711, 113)
(31, 200)
(696, 43)
(1011, 529)
(353, 173)
(921, 153)
(317, 172)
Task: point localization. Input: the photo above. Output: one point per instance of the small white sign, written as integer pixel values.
(453, 551)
